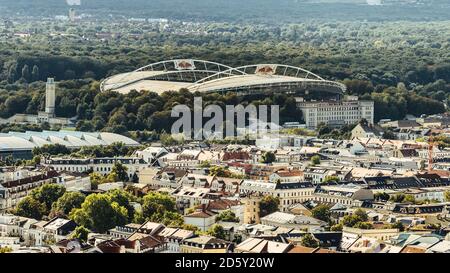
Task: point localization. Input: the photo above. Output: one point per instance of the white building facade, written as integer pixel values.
(336, 113)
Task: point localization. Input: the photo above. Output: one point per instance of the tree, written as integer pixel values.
(81, 233)
(358, 87)
(69, 74)
(121, 171)
(85, 126)
(237, 238)
(160, 121)
(36, 160)
(337, 227)
(219, 171)
(383, 196)
(111, 177)
(388, 134)
(352, 220)
(48, 194)
(99, 214)
(124, 199)
(35, 74)
(290, 112)
(5, 249)
(410, 199)
(399, 225)
(331, 178)
(217, 231)
(447, 196)
(268, 205)
(315, 160)
(361, 214)
(167, 140)
(402, 198)
(397, 198)
(96, 179)
(68, 202)
(138, 217)
(205, 164)
(31, 208)
(51, 149)
(321, 212)
(227, 216)
(190, 227)
(135, 178)
(169, 218)
(12, 73)
(26, 73)
(363, 225)
(157, 203)
(308, 240)
(17, 104)
(268, 157)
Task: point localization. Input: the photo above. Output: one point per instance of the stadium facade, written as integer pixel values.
(210, 77)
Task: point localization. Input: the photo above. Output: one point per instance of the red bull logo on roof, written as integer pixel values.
(266, 69)
(184, 65)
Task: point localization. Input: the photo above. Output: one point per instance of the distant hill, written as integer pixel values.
(265, 11)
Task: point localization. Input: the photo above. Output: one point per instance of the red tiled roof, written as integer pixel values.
(289, 173)
(221, 204)
(201, 214)
(301, 249)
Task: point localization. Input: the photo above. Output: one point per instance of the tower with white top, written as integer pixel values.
(50, 96)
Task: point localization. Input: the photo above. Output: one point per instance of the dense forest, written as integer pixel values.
(404, 66)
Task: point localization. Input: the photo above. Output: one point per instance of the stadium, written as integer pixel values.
(210, 77)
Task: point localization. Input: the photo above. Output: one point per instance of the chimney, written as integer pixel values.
(50, 96)
(365, 243)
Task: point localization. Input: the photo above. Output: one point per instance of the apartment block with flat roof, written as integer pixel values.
(336, 113)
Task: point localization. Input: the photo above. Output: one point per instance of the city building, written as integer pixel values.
(289, 193)
(288, 220)
(336, 113)
(256, 245)
(367, 131)
(101, 165)
(174, 237)
(11, 192)
(347, 195)
(162, 178)
(204, 244)
(202, 218)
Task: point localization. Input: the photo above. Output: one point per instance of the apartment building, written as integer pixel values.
(289, 193)
(12, 192)
(99, 165)
(336, 113)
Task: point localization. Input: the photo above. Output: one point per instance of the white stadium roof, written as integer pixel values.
(207, 77)
(17, 141)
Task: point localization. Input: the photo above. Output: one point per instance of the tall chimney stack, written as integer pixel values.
(50, 96)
